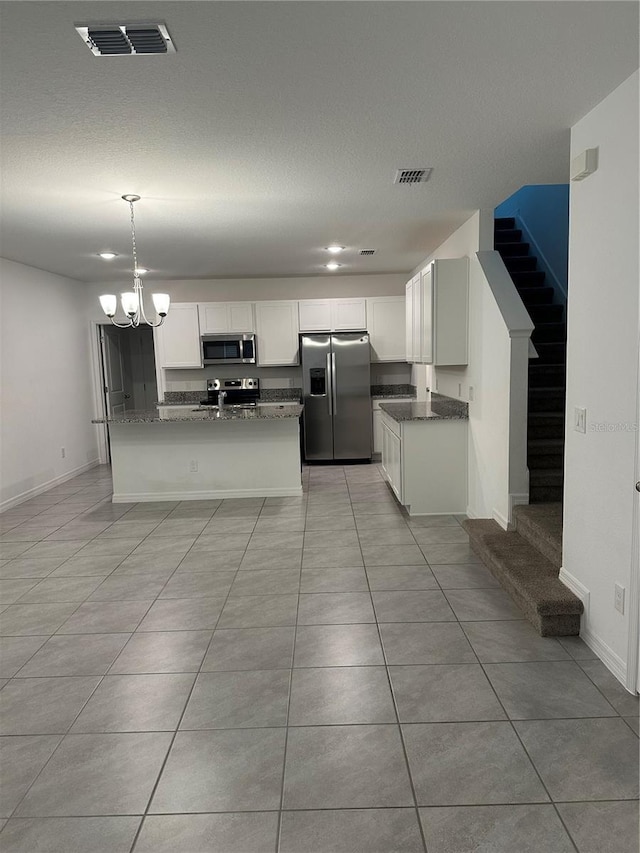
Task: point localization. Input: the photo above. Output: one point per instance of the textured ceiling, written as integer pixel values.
(277, 127)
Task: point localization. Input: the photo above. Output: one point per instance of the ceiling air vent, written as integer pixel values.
(367, 251)
(412, 176)
(126, 39)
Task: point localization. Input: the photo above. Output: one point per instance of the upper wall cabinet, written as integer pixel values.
(437, 311)
(332, 315)
(277, 333)
(218, 318)
(386, 325)
(178, 339)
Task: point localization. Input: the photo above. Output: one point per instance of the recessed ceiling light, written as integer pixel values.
(332, 265)
(335, 249)
(107, 256)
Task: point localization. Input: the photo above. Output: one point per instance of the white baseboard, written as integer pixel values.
(517, 499)
(50, 484)
(609, 658)
(576, 587)
(151, 497)
(499, 517)
(470, 513)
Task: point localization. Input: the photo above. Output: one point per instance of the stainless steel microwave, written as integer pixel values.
(229, 349)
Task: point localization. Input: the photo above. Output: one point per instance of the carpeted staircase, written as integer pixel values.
(545, 422)
(526, 562)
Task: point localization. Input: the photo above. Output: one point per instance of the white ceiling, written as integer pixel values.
(277, 127)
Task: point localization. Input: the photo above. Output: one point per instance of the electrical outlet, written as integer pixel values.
(193, 466)
(471, 393)
(63, 453)
(618, 602)
(579, 419)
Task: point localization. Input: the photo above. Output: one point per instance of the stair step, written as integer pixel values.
(502, 222)
(545, 425)
(528, 278)
(550, 353)
(508, 250)
(546, 399)
(528, 576)
(549, 333)
(507, 235)
(546, 313)
(541, 525)
(536, 295)
(553, 477)
(517, 263)
(545, 446)
(546, 375)
(545, 494)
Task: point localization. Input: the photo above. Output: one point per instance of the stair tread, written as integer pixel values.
(545, 443)
(530, 578)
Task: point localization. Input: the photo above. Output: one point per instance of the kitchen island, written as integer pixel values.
(194, 453)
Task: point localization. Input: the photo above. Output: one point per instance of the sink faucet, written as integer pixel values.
(221, 398)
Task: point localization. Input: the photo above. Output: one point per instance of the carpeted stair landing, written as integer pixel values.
(526, 563)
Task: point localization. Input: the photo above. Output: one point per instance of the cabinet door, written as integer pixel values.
(387, 328)
(348, 314)
(408, 322)
(178, 338)
(277, 333)
(213, 318)
(391, 460)
(427, 284)
(315, 315)
(240, 317)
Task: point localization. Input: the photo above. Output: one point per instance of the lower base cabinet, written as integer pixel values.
(377, 419)
(425, 463)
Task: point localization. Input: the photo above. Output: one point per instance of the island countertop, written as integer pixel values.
(171, 414)
(437, 408)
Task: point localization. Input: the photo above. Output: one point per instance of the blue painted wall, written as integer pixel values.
(542, 211)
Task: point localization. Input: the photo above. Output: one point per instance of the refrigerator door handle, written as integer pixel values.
(334, 389)
(329, 385)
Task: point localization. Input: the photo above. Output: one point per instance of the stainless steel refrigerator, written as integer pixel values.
(336, 377)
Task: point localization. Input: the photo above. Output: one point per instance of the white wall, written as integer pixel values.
(488, 373)
(45, 392)
(602, 371)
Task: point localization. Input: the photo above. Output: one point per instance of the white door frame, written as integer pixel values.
(98, 391)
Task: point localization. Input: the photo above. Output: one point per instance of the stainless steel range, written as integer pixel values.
(232, 392)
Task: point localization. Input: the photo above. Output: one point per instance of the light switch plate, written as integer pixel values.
(580, 419)
(619, 598)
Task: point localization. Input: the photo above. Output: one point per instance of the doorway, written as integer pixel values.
(128, 369)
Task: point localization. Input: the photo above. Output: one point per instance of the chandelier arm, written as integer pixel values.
(121, 325)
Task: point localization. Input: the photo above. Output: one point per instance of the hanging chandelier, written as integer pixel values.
(133, 301)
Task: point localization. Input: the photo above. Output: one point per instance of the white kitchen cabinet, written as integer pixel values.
(177, 341)
(332, 315)
(425, 463)
(377, 419)
(218, 318)
(386, 326)
(437, 311)
(277, 333)
(392, 457)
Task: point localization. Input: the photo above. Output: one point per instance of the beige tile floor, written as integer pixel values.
(313, 675)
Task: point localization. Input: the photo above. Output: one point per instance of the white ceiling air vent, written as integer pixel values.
(367, 251)
(126, 39)
(412, 176)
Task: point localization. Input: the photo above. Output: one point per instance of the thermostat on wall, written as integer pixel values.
(584, 164)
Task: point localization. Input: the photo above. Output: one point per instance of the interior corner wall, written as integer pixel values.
(602, 371)
(487, 374)
(45, 388)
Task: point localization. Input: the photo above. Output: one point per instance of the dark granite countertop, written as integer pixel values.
(389, 391)
(173, 413)
(436, 408)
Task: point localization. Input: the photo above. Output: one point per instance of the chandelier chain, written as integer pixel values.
(133, 242)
